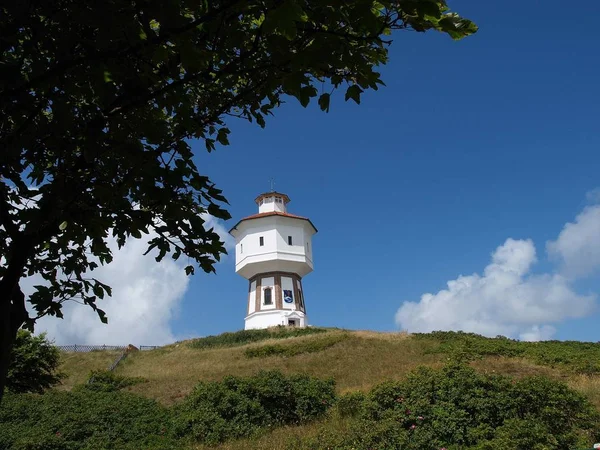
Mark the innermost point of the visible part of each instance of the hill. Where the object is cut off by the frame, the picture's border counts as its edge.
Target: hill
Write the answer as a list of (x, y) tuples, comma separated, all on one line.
[(359, 362)]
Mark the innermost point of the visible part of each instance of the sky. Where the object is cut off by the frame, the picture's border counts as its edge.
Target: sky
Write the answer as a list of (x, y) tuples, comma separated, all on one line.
[(464, 195)]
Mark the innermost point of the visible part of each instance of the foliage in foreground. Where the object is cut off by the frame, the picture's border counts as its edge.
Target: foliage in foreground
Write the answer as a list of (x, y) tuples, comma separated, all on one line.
[(34, 364), (83, 420), (89, 418), (456, 408), (453, 408), (240, 407), (243, 337), (580, 357), (296, 347)]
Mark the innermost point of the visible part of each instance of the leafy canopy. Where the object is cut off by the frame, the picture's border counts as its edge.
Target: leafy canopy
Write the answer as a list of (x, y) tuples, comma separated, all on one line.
[(99, 102)]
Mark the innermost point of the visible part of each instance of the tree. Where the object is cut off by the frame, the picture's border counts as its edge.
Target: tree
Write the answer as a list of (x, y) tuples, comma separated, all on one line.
[(99, 100), (33, 365)]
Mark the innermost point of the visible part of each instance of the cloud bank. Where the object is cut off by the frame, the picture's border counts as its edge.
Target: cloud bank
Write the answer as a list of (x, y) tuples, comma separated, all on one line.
[(507, 298), (146, 297)]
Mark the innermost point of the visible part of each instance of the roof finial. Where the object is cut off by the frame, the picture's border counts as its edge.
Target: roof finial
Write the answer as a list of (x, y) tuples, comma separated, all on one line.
[(272, 185)]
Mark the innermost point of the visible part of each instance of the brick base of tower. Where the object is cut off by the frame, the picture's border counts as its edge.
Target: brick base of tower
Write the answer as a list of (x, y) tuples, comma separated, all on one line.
[(274, 299)]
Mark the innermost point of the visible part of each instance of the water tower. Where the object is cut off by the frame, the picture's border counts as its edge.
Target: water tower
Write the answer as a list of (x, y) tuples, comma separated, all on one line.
[(273, 252)]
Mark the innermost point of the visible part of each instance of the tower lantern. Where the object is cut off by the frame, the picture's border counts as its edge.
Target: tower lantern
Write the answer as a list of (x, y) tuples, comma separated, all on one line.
[(273, 252)]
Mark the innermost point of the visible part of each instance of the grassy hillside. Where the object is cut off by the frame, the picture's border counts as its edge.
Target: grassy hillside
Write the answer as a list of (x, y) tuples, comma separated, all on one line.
[(356, 360)]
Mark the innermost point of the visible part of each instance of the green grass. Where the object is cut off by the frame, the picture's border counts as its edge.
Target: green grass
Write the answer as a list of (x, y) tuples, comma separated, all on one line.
[(244, 337), (577, 357), (357, 360), (77, 366), (295, 348)]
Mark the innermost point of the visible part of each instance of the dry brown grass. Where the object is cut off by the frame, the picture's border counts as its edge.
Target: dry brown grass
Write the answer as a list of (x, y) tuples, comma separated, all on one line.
[(77, 366), (364, 359), (514, 367), (588, 385), (356, 363)]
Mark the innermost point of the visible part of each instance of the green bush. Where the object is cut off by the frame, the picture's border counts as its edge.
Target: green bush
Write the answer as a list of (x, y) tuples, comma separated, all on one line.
[(350, 404), (579, 357), (240, 407), (248, 336), (456, 408), (108, 381), (33, 365), (296, 347), (83, 420)]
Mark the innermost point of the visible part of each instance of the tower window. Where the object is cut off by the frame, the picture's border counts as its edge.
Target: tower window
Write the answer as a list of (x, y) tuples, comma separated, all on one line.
[(289, 240), (261, 240), (268, 299), (241, 248)]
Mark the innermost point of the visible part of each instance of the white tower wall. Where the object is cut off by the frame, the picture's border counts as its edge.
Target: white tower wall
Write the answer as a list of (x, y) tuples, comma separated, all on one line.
[(274, 251)]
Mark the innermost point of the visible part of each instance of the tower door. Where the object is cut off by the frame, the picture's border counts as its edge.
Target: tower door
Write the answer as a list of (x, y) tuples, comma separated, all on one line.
[(292, 323)]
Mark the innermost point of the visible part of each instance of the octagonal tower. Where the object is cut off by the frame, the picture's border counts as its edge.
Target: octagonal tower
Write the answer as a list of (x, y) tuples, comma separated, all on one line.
[(273, 252)]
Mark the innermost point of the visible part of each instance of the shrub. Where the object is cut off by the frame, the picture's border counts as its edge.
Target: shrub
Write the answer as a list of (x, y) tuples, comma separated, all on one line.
[(248, 336), (457, 408), (580, 357), (295, 348), (350, 404), (108, 381), (33, 365), (83, 420), (239, 407)]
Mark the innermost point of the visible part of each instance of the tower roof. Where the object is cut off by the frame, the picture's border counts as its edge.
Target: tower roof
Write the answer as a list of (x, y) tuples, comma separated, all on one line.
[(284, 197), (272, 213)]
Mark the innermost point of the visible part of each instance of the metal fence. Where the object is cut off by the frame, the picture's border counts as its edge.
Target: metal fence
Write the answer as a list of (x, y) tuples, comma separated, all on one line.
[(99, 348)]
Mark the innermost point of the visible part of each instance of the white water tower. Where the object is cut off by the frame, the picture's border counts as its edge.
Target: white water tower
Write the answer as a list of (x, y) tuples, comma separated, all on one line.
[(273, 252)]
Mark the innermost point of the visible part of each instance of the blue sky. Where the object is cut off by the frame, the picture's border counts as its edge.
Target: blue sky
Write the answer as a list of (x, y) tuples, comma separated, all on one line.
[(471, 143)]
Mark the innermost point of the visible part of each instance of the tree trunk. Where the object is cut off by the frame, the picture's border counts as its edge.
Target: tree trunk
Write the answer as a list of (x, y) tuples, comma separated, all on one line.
[(13, 313), (12, 316)]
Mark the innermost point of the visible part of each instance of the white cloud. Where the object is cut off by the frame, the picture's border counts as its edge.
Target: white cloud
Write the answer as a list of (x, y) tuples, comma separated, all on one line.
[(146, 297), (536, 333), (593, 196), (578, 244), (507, 299)]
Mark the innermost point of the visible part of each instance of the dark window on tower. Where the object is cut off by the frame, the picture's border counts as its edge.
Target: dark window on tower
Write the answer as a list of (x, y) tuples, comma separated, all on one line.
[(268, 299), (262, 241), (289, 240)]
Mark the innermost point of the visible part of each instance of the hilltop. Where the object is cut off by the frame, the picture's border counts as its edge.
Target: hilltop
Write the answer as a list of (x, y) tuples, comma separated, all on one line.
[(358, 362)]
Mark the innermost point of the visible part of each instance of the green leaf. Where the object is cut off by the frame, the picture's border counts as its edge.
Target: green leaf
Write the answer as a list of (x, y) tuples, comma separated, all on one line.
[(222, 136), (98, 291), (63, 226), (102, 315), (353, 93), (107, 76), (324, 100), (189, 270), (283, 19)]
